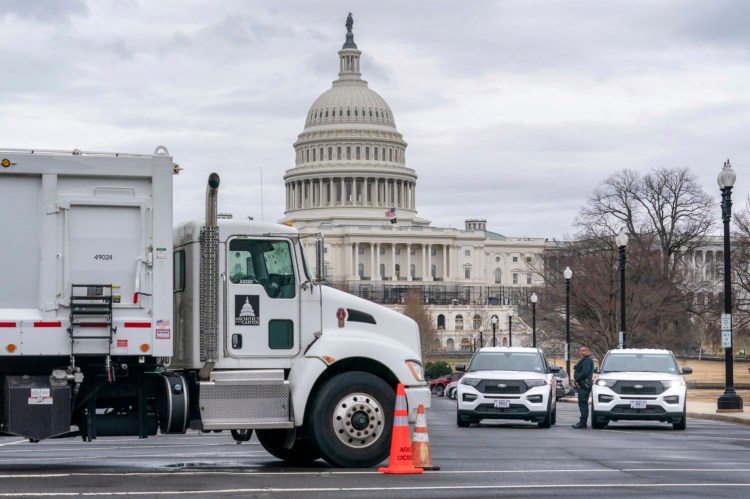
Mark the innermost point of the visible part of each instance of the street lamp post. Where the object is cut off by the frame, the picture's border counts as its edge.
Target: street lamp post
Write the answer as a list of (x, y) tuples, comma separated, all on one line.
[(494, 326), (533, 298), (622, 242), (567, 274), (729, 400), (510, 327)]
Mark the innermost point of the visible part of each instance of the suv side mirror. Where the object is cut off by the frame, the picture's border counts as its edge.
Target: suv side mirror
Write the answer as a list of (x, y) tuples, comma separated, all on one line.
[(687, 370), (461, 368), (554, 369)]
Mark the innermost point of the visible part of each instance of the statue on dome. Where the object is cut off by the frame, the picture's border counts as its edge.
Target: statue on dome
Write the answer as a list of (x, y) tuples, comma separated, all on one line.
[(349, 22)]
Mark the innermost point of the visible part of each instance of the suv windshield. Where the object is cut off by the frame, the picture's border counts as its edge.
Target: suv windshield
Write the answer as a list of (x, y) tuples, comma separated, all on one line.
[(507, 361), (640, 362)]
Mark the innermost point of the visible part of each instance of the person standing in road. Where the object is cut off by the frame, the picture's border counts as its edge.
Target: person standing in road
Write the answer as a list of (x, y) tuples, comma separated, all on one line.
[(583, 372)]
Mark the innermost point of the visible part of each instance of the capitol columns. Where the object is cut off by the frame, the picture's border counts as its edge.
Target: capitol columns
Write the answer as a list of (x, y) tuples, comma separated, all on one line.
[(373, 272), (408, 261)]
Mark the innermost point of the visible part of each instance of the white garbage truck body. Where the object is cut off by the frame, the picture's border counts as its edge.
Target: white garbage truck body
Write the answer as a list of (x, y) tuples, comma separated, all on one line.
[(112, 322)]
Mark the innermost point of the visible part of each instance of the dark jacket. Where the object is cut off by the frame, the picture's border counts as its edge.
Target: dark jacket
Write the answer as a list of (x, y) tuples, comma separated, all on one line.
[(583, 372)]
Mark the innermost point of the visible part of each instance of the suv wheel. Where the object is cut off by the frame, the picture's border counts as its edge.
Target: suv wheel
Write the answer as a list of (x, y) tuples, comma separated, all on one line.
[(461, 422), (439, 390), (547, 421), (433, 389), (682, 423), (596, 422)]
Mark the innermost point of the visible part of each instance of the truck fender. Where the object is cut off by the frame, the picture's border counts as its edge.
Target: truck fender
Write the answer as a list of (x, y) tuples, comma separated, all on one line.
[(333, 350)]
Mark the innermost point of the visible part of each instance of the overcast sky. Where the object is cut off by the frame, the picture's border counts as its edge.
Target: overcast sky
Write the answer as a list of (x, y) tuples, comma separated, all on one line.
[(513, 110)]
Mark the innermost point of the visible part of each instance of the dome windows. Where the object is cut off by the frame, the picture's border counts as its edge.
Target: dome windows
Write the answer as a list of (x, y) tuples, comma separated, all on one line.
[(367, 153), (356, 153), (348, 152), (338, 153), (330, 153)]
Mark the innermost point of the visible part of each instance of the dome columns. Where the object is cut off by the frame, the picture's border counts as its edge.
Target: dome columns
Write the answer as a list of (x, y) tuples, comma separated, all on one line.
[(355, 191)]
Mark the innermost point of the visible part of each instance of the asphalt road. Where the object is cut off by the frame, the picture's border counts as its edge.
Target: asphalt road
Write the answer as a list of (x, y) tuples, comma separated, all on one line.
[(495, 459)]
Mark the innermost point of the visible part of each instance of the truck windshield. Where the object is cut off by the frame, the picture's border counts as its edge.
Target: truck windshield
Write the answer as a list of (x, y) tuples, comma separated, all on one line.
[(652, 363), (507, 361)]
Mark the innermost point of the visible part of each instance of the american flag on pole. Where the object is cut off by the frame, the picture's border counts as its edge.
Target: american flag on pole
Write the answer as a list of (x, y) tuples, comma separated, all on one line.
[(391, 215)]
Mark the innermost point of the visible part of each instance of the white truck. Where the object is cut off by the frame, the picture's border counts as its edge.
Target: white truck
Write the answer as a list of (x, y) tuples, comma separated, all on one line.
[(114, 323)]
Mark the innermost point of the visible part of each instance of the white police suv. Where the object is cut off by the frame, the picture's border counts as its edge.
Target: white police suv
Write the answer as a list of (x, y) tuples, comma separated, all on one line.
[(507, 383), (639, 384)]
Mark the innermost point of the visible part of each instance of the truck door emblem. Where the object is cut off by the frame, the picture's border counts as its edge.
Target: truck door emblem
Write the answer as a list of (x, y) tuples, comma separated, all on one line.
[(246, 310)]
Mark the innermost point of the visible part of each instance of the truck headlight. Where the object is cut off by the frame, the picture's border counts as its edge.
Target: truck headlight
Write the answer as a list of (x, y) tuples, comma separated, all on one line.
[(470, 381), (416, 369), (606, 382)]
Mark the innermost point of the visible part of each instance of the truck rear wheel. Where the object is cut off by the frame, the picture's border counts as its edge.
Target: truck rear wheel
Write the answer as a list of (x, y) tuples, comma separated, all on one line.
[(350, 419), (273, 441)]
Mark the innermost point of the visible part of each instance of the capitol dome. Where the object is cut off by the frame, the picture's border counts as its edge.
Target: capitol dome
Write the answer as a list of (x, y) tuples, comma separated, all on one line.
[(350, 159)]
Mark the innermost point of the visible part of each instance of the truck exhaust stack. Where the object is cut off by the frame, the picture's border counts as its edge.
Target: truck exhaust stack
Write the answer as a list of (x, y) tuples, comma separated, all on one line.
[(209, 280)]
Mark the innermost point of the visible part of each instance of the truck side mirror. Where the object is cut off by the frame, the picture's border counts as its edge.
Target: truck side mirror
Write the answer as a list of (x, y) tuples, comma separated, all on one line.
[(687, 370), (461, 368), (554, 369)]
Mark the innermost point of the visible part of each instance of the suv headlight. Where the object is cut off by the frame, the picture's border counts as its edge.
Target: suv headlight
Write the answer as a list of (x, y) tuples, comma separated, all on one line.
[(670, 383), (606, 382), (470, 381), (531, 383)]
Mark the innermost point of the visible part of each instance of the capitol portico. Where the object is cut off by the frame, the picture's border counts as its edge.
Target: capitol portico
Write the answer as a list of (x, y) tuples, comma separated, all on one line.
[(351, 183)]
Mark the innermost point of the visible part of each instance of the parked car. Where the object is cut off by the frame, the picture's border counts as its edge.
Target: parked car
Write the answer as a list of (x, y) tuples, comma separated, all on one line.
[(639, 384), (507, 383), (437, 386), (450, 390), (562, 376)]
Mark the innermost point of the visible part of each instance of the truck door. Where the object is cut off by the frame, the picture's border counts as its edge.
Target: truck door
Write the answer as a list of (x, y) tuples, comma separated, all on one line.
[(262, 298)]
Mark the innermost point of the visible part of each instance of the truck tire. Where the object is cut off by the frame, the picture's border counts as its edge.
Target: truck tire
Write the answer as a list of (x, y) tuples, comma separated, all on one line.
[(350, 419), (300, 453)]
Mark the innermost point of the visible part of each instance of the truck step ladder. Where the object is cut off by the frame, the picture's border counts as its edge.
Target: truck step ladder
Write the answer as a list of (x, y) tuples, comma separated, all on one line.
[(90, 307)]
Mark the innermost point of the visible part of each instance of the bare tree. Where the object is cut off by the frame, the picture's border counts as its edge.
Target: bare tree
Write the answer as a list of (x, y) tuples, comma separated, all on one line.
[(666, 214), (667, 206), (415, 308)]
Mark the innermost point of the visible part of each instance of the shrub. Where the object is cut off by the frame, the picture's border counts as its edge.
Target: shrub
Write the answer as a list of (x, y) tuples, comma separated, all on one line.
[(434, 370)]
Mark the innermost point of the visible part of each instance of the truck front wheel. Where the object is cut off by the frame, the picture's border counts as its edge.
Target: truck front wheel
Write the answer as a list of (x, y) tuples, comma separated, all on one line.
[(350, 420), (300, 453)]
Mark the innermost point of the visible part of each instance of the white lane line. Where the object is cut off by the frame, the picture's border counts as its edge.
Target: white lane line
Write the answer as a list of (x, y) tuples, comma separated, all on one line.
[(217, 455), (12, 443), (305, 490), (249, 473)]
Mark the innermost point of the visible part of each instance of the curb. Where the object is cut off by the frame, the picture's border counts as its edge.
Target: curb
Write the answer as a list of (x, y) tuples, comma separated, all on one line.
[(719, 417)]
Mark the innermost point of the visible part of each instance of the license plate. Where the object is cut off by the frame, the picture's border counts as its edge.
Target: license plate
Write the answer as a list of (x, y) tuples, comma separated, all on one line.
[(637, 404), (502, 403)]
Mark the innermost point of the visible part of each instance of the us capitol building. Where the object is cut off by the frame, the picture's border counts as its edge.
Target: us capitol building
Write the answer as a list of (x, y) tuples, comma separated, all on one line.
[(351, 183), (350, 171)]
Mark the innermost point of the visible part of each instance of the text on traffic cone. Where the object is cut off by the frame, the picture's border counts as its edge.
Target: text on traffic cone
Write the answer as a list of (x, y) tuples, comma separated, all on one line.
[(400, 461), (420, 443)]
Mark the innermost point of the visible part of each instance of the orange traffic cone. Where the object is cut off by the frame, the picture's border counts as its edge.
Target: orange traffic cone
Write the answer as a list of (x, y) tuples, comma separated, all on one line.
[(421, 443), (400, 460)]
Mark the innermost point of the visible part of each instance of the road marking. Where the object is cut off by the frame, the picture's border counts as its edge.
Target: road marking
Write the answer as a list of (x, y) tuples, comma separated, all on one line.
[(367, 472), (13, 443), (266, 490)]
